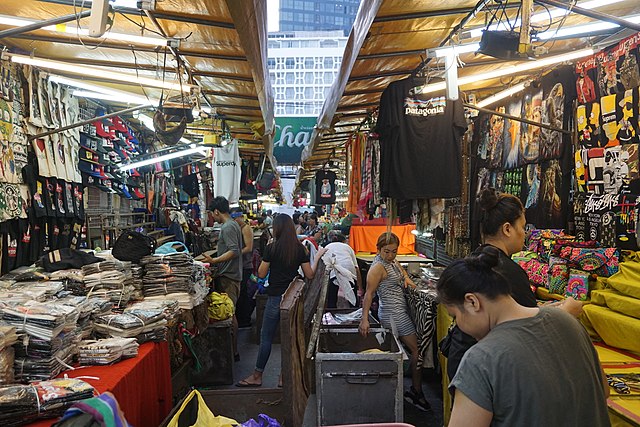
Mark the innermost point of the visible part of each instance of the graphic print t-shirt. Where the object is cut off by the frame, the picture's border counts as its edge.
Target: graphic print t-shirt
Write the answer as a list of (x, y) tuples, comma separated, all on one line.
[(325, 187), (226, 172), (419, 139)]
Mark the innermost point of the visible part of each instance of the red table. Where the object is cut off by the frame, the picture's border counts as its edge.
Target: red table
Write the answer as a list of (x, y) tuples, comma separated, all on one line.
[(142, 385)]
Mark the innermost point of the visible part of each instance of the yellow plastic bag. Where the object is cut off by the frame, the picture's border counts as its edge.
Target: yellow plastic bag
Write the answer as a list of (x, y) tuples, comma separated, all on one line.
[(220, 306), (204, 416)]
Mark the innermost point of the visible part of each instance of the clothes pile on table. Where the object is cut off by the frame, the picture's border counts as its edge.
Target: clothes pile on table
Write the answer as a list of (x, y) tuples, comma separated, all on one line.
[(145, 325), (137, 272), (47, 341), (22, 404), (169, 277), (8, 337), (106, 351), (109, 279)]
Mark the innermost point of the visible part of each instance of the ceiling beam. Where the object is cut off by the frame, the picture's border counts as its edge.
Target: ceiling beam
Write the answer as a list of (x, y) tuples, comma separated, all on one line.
[(230, 95), (105, 44), (436, 13), (227, 76), (194, 19)]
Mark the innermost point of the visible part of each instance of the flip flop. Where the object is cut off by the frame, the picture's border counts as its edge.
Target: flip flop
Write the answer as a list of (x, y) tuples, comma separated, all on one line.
[(244, 383)]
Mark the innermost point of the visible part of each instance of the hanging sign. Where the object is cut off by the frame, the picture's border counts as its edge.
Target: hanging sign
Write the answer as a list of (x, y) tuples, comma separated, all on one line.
[(292, 135)]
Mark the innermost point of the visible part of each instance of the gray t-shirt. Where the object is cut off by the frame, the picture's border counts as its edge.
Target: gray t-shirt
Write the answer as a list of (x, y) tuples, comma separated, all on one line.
[(230, 240), (538, 371)]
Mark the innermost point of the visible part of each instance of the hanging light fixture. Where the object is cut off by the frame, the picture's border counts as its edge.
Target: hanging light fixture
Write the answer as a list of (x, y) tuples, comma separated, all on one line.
[(86, 70)]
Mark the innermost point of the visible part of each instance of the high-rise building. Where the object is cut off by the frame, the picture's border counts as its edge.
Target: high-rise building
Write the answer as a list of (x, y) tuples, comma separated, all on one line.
[(318, 15), (302, 67)]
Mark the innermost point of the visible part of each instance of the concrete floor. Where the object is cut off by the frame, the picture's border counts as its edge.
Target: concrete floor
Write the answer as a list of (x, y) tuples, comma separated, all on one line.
[(248, 350)]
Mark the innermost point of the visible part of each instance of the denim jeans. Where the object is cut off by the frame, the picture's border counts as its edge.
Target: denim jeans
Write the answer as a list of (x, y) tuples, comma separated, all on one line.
[(270, 323)]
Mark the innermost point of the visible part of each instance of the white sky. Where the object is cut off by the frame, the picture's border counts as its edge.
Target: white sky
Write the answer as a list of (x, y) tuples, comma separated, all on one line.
[(273, 14)]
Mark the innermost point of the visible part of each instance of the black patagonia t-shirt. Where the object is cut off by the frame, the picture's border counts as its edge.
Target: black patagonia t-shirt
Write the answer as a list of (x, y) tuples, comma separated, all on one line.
[(420, 143)]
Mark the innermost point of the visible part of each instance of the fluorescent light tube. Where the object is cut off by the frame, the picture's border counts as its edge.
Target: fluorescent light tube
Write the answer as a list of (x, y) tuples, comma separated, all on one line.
[(68, 29), (457, 50), (583, 29), (96, 72), (543, 16), (112, 97), (503, 94), (159, 159), (513, 69)]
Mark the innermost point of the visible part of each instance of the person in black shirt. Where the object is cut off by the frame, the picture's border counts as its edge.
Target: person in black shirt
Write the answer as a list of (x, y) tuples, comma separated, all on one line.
[(502, 224), (281, 259)]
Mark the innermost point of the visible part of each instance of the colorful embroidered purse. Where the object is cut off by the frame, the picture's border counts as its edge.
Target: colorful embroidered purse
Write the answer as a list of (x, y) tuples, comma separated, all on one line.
[(601, 261), (578, 285), (537, 271), (558, 278)]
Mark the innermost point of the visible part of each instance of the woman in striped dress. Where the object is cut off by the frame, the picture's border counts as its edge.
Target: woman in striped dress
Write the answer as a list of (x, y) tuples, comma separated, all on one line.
[(388, 279)]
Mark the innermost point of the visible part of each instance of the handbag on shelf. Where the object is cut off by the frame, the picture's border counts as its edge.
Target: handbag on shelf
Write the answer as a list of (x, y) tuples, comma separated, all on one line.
[(132, 246), (537, 271), (601, 261)]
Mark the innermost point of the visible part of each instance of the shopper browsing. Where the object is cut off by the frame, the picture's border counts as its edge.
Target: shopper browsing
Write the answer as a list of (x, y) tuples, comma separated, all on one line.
[(281, 260), (526, 357), (502, 224), (313, 229), (345, 270), (246, 303), (229, 259), (388, 279)]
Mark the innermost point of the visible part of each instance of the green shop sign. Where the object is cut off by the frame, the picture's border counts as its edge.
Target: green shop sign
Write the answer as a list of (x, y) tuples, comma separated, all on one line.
[(292, 135)]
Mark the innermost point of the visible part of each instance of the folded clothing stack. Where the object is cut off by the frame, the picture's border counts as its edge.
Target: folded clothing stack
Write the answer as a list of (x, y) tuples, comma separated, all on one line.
[(130, 324), (84, 324), (167, 274), (72, 280), (47, 289), (170, 308), (199, 280), (38, 359), (108, 279), (8, 337), (22, 404), (137, 273), (106, 351), (44, 320)]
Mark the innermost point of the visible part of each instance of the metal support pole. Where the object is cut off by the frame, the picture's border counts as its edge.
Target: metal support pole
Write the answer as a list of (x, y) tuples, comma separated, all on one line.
[(86, 122), (525, 27), (591, 14), (517, 119), (451, 65), (37, 25)]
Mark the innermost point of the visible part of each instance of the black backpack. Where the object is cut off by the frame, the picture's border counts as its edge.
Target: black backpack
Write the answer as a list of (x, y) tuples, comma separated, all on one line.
[(132, 246)]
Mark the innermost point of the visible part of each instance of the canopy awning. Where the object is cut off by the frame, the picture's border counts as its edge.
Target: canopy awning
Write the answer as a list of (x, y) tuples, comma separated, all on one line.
[(397, 41), (220, 46)]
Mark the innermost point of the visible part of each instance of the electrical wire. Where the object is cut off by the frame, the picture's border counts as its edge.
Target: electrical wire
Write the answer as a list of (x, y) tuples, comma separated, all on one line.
[(78, 27), (142, 26)]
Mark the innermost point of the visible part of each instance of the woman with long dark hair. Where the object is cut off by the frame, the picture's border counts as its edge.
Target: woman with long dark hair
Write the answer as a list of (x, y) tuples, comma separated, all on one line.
[(281, 259)]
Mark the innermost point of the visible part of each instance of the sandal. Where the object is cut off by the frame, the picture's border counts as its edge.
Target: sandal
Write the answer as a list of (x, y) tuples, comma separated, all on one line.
[(418, 399), (245, 383)]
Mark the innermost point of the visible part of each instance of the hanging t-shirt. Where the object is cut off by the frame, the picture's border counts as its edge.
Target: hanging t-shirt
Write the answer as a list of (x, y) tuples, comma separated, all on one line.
[(325, 187), (226, 172), (420, 143)]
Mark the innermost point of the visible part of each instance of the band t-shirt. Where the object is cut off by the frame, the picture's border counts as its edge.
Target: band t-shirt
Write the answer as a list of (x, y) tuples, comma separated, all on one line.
[(325, 187), (419, 140)]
